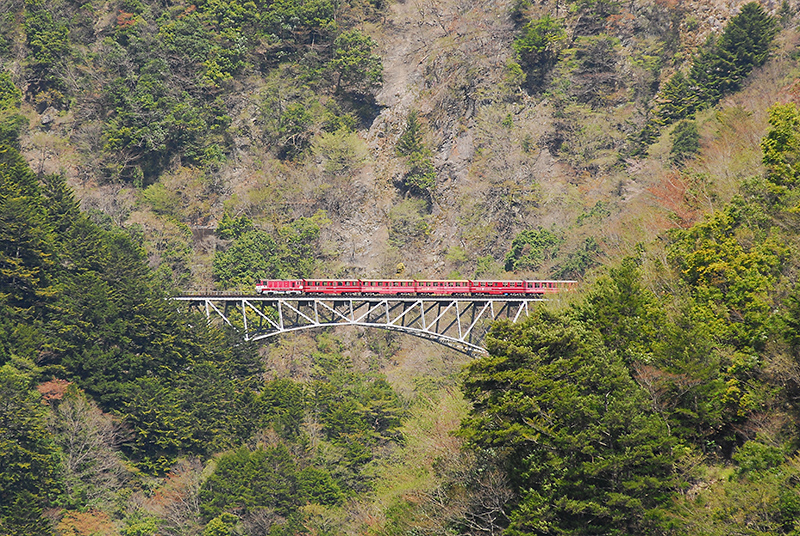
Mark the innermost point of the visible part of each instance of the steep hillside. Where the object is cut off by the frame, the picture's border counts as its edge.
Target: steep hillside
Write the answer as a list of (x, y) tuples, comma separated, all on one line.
[(507, 153), (636, 147)]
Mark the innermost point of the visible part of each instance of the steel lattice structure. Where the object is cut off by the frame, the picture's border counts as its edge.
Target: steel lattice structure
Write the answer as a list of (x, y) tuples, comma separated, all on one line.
[(459, 323)]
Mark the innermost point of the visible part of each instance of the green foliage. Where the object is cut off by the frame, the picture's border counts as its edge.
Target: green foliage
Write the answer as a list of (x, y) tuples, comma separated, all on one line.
[(487, 266), (222, 525), (719, 69), (731, 265), (753, 457), (255, 254), (293, 128), (108, 328), (356, 69), (410, 141), (244, 480), (26, 238), (151, 121), (745, 44), (358, 413), (408, 222), (781, 147), (420, 179), (317, 486), (571, 428), (530, 248), (685, 141), (198, 411), (580, 260), (537, 47), (48, 40), (342, 152), (282, 406), (676, 99), (627, 315), (28, 457), (230, 228), (10, 95)]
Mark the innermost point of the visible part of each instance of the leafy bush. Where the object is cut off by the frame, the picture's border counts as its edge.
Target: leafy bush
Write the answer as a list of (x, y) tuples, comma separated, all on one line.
[(408, 222), (356, 69), (255, 254), (530, 248), (537, 48)]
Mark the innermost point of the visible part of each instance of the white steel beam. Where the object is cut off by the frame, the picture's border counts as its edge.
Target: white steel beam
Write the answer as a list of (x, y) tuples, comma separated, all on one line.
[(415, 317)]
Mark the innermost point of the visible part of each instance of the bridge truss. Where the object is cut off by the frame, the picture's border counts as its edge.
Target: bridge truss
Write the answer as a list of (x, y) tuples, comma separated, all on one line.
[(457, 322)]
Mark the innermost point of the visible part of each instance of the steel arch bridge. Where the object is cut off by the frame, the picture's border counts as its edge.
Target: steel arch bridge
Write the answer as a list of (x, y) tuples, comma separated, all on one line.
[(457, 322)]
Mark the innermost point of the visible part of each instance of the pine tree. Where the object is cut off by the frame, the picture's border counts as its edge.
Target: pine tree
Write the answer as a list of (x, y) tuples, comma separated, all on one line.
[(570, 427), (26, 238), (28, 458), (676, 100), (745, 44)]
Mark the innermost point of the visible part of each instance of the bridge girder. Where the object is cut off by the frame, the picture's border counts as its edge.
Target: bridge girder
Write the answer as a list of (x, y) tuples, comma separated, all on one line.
[(457, 322)]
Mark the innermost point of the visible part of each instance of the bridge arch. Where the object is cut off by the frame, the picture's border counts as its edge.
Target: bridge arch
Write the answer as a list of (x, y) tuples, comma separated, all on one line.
[(459, 323)]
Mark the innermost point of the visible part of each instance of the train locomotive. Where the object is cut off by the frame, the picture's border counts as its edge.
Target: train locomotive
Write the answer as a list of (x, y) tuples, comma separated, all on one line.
[(409, 287)]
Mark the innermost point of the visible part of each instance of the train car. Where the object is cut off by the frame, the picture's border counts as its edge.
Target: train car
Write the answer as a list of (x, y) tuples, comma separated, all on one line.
[(319, 287), (443, 287), (497, 288), (405, 287), (385, 287), (278, 287), (547, 287)]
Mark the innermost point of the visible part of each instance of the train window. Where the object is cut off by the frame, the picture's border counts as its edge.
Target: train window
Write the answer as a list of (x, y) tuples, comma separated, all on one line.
[(339, 283)]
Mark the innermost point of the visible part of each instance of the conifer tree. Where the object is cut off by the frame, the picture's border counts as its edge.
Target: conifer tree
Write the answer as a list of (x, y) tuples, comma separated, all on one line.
[(572, 429), (28, 457)]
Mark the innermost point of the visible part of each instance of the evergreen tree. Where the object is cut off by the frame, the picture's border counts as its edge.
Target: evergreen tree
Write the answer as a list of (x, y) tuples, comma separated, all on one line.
[(676, 99), (685, 141), (420, 179), (570, 426), (781, 146), (745, 44), (357, 70), (28, 457), (245, 480)]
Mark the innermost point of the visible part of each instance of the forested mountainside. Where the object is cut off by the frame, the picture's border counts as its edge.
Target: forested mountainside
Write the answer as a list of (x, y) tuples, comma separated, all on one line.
[(647, 149)]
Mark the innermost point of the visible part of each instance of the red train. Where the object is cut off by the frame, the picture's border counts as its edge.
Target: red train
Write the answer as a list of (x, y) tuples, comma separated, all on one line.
[(409, 287)]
